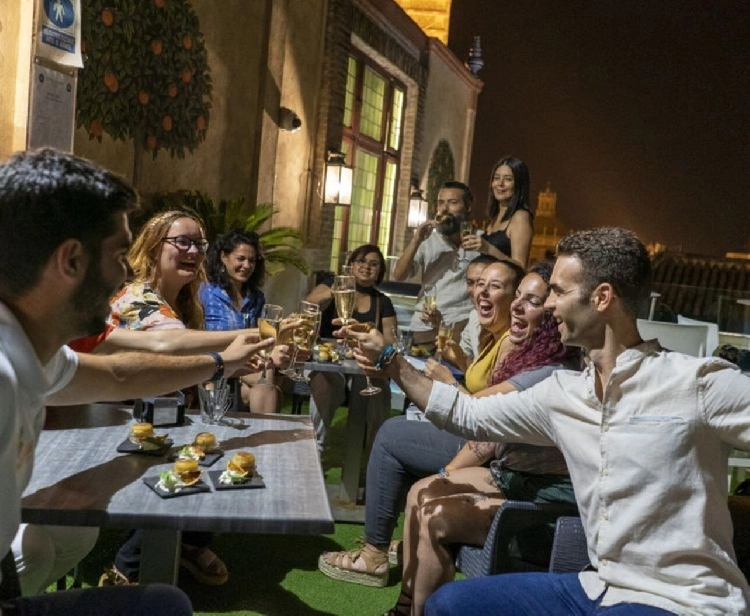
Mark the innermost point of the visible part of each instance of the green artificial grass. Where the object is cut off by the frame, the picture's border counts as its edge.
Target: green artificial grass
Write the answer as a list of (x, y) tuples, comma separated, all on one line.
[(274, 574)]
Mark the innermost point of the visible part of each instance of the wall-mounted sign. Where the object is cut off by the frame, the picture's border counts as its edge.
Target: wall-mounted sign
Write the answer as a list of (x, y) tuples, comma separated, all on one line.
[(59, 32), (52, 109)]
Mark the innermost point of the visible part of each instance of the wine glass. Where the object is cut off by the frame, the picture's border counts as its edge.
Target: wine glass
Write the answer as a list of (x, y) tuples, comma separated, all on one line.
[(467, 228), (268, 327), (344, 298), (430, 299), (445, 333), (346, 270), (303, 337)]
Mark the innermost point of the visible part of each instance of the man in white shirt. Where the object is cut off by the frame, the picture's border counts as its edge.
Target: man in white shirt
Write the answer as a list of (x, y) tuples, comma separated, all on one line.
[(435, 251), (646, 434), (64, 236)]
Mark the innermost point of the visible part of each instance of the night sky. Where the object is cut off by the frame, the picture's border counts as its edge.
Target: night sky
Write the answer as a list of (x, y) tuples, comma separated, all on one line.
[(636, 112)]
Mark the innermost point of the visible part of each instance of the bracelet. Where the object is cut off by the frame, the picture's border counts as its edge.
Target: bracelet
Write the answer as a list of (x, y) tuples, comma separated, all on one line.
[(444, 473), (386, 357), (219, 372), (454, 383)]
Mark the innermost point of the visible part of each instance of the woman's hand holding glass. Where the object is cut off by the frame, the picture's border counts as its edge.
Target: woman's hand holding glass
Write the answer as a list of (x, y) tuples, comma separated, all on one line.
[(304, 335), (438, 372), (268, 326), (444, 335)]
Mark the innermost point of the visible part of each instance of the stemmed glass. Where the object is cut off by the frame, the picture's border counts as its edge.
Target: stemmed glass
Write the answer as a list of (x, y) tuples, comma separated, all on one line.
[(344, 294), (268, 326), (445, 333), (303, 336)]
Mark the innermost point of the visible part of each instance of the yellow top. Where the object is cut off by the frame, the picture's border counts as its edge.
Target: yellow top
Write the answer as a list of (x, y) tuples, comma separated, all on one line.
[(478, 373)]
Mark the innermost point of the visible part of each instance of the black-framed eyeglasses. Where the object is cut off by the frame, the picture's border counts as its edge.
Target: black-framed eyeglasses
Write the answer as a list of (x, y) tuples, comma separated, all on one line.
[(183, 243)]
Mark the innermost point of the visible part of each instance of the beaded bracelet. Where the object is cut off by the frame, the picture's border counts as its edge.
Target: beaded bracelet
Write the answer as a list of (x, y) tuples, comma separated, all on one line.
[(386, 357), (219, 372)]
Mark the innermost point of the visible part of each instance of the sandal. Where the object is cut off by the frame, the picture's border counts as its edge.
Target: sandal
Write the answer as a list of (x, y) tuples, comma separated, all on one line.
[(361, 566), (204, 565), (402, 607), (396, 552), (112, 576)]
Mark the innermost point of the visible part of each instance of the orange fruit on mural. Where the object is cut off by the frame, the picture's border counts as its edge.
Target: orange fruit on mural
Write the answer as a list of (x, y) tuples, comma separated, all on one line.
[(172, 90), (160, 3), (143, 97), (187, 75), (95, 129), (166, 123), (201, 123), (151, 142), (187, 41), (108, 17), (110, 80), (157, 47)]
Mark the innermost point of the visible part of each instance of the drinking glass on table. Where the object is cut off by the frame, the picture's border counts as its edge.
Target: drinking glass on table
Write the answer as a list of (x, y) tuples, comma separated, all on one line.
[(268, 327), (444, 335)]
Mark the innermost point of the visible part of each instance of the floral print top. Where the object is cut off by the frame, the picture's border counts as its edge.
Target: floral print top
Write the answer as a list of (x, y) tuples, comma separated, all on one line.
[(138, 306)]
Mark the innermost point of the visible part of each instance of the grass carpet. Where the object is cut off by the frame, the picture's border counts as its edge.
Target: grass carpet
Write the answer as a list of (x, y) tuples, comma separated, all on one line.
[(275, 574)]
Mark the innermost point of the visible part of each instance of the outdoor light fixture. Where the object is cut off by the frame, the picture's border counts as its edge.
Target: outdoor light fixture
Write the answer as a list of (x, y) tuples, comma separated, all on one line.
[(417, 208), (339, 177)]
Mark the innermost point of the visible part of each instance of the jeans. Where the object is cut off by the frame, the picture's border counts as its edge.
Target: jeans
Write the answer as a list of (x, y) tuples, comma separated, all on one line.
[(526, 594), (403, 452), (147, 600), (128, 557)]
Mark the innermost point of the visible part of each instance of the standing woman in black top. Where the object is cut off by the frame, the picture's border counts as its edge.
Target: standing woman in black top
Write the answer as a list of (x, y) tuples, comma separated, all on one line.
[(510, 228), (329, 388)]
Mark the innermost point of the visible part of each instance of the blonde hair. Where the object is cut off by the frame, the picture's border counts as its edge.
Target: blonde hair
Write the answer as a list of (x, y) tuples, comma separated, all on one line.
[(143, 257)]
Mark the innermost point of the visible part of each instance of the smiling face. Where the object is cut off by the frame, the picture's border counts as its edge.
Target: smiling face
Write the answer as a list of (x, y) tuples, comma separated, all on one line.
[(473, 273), (579, 323), (527, 309), (181, 266), (240, 263), (366, 269), (503, 183), (493, 295), (451, 210)]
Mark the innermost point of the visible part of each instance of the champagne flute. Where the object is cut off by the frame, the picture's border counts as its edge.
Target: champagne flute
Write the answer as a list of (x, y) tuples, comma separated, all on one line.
[(445, 333), (344, 298), (303, 336), (346, 270), (467, 228), (268, 327), (430, 299)]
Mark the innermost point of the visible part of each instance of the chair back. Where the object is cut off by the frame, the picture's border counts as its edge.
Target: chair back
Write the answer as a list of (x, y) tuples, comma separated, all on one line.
[(712, 340), (569, 549), (10, 588), (688, 339)]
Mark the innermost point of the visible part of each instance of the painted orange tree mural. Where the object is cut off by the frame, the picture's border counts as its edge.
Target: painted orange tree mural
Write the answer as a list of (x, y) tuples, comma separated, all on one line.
[(146, 75)]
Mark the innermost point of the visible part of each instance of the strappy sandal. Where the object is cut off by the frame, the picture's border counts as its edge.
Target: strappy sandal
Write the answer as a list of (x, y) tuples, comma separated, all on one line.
[(360, 566), (204, 565), (112, 576), (402, 607)]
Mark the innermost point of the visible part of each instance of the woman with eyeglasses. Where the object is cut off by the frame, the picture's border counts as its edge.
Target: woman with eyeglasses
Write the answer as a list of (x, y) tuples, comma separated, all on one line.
[(232, 299), (329, 388), (167, 260)]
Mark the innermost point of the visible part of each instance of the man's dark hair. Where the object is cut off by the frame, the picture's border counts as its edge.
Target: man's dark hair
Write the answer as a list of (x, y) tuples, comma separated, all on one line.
[(615, 256), (466, 191), (216, 271), (483, 259), (46, 198)]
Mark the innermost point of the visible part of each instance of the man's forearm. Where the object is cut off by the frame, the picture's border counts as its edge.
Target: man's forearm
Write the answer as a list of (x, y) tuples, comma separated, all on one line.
[(132, 375), (416, 385), (403, 266), (175, 341)]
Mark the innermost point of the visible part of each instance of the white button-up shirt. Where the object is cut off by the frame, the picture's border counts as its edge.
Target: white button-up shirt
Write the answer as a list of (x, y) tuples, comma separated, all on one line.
[(648, 464), (443, 266)]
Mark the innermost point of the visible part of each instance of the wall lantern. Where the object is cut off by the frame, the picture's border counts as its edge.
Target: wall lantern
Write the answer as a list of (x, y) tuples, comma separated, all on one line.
[(339, 177), (417, 208)]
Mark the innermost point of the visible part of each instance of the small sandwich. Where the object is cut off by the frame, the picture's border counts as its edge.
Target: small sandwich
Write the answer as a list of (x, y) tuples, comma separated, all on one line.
[(239, 469), (142, 434), (183, 474), (205, 442)]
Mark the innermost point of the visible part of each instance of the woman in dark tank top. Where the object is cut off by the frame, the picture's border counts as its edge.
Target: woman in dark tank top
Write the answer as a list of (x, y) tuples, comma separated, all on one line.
[(509, 231)]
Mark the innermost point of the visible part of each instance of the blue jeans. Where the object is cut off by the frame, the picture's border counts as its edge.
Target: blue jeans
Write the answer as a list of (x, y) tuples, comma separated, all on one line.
[(403, 452), (526, 594), (146, 600)]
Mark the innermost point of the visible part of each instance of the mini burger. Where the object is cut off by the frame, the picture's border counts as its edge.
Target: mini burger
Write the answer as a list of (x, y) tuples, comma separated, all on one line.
[(206, 441), (142, 434), (239, 469), (184, 473)]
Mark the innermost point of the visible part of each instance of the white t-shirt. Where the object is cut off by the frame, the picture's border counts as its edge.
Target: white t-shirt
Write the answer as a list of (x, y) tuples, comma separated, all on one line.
[(24, 384)]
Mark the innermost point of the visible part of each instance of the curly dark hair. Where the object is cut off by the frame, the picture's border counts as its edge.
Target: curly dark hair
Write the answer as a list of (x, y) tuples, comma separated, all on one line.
[(224, 245), (541, 348), (615, 256)]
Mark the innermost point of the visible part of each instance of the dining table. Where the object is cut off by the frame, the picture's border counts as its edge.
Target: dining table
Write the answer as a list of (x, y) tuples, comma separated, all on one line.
[(80, 479)]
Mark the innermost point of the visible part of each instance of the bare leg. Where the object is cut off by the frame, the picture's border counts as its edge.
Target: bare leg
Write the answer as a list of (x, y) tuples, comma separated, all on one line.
[(441, 512), (261, 398), (328, 393)]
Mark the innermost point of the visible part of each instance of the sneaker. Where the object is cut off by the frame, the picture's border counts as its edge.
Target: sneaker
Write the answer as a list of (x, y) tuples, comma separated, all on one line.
[(112, 576), (361, 566)]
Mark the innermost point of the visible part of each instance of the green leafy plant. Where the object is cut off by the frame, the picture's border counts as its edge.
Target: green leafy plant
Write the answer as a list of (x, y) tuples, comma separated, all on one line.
[(281, 245), (146, 75)]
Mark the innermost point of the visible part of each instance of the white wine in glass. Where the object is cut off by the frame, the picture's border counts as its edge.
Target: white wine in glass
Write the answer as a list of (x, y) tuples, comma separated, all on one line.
[(268, 327)]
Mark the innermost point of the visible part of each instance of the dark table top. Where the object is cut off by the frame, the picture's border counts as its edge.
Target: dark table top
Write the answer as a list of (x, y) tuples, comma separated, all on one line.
[(80, 479)]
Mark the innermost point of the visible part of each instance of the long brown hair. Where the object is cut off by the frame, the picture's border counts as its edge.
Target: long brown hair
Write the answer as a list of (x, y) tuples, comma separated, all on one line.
[(143, 257)]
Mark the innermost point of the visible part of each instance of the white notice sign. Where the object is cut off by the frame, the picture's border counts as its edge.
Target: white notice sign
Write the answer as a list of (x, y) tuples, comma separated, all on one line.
[(53, 108)]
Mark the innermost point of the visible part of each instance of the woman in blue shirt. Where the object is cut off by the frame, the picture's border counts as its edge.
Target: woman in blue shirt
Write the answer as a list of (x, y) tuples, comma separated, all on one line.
[(232, 299)]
